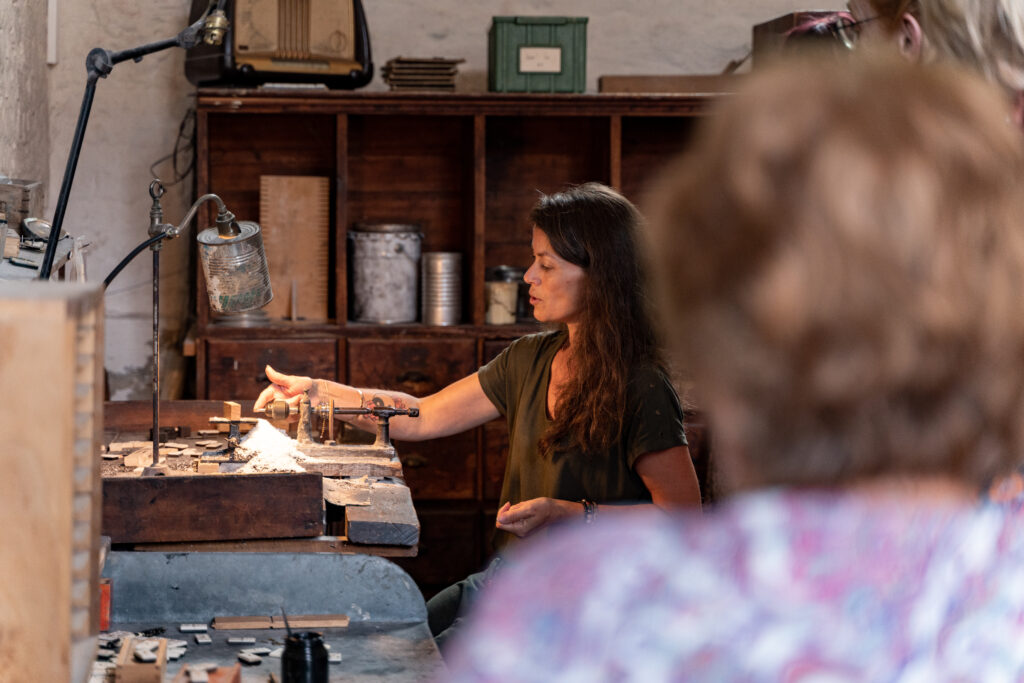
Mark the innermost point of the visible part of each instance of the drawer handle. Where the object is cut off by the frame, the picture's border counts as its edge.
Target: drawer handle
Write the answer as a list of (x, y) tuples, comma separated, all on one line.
[(415, 461), (412, 377)]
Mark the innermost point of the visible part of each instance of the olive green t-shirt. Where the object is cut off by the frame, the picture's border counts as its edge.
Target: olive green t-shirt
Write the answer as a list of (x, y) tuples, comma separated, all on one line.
[(517, 381)]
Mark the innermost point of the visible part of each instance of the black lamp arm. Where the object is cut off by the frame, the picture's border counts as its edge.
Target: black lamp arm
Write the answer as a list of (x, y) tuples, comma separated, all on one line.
[(99, 63)]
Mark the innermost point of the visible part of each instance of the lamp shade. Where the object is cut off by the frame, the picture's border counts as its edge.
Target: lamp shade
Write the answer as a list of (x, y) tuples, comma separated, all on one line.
[(235, 266)]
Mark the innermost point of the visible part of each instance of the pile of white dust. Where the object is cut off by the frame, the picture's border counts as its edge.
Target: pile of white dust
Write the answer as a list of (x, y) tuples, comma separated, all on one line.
[(269, 450)]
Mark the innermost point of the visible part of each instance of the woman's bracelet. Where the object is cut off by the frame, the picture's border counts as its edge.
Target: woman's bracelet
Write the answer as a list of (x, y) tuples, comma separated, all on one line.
[(589, 511)]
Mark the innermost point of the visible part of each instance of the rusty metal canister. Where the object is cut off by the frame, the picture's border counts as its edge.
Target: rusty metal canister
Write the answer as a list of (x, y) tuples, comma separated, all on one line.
[(385, 263), (237, 278)]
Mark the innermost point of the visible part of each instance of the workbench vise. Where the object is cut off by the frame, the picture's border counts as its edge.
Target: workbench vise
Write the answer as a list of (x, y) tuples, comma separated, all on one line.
[(326, 412)]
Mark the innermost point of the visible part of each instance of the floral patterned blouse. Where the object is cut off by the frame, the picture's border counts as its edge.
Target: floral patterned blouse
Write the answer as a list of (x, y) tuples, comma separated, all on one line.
[(773, 586)]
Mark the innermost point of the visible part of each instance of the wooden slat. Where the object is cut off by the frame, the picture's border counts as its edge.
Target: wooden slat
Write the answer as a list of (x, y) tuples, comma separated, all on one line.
[(133, 416), (318, 544), (212, 508), (295, 218), (341, 219), (388, 519), (242, 100)]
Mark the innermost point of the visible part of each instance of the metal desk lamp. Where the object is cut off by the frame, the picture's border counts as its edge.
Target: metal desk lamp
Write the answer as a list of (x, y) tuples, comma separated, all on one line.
[(232, 253), (210, 28), (235, 266)]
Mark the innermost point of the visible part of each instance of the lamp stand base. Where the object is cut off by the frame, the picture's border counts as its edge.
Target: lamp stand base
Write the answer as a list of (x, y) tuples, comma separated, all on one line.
[(156, 471)]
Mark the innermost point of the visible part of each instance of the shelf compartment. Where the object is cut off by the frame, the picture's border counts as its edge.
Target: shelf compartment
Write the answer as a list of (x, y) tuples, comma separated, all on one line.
[(527, 155), (648, 143)]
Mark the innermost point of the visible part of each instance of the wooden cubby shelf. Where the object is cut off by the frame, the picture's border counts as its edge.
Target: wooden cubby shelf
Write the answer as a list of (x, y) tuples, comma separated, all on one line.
[(467, 168)]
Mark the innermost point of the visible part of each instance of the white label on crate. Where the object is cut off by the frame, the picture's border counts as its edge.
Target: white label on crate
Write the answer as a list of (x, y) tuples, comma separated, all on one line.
[(540, 60)]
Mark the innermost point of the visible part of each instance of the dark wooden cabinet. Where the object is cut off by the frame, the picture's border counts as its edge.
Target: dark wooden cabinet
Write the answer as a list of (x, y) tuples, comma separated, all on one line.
[(235, 368), (467, 169)]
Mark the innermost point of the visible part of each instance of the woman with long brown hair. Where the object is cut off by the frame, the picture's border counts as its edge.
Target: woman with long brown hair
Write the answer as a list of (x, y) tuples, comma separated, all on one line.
[(593, 418)]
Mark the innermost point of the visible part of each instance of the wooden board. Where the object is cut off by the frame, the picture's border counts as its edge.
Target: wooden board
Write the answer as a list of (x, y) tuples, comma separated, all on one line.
[(295, 214), (388, 519), (51, 367), (679, 84), (212, 507)]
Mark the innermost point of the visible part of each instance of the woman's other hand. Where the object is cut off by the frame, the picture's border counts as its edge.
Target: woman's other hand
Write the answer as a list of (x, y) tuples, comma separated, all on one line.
[(286, 387), (525, 518)]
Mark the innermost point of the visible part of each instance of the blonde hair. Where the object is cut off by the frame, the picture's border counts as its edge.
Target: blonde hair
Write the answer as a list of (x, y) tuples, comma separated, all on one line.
[(985, 35), (841, 266), (891, 11)]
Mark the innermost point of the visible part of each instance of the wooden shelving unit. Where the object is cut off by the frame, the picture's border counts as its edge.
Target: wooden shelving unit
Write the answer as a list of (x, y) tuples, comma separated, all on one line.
[(465, 167)]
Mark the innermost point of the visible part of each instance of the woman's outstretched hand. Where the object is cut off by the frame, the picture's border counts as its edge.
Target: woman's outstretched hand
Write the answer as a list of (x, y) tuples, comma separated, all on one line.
[(529, 516), (285, 387)]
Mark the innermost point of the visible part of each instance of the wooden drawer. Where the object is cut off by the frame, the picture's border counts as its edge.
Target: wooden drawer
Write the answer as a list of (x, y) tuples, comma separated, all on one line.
[(449, 549), (440, 469), (234, 369)]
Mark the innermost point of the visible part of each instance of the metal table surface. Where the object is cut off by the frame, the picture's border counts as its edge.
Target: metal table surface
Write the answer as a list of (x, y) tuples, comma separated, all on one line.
[(387, 638)]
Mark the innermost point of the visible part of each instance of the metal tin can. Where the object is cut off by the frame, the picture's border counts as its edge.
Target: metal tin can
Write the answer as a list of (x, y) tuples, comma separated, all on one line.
[(441, 288), (385, 261), (237, 278)]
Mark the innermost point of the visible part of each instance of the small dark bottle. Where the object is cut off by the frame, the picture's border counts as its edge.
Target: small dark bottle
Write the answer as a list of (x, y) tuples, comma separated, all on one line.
[(304, 659)]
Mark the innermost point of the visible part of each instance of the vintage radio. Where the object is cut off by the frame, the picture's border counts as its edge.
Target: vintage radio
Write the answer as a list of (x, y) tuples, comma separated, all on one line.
[(286, 41)]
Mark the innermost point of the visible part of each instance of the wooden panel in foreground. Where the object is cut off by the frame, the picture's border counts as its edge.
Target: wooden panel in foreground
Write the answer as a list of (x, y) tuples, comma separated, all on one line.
[(212, 507), (51, 370)]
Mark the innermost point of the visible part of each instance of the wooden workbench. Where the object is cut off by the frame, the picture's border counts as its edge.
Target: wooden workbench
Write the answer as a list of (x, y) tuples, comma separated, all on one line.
[(251, 513)]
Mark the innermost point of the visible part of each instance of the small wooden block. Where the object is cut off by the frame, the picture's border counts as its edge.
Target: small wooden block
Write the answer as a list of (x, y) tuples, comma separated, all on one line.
[(208, 468), (334, 657), (131, 670), (208, 672), (174, 444), (208, 432), (141, 458), (232, 410), (249, 658), (389, 519), (241, 640), (192, 452), (167, 450), (192, 628), (121, 446), (203, 639), (207, 443)]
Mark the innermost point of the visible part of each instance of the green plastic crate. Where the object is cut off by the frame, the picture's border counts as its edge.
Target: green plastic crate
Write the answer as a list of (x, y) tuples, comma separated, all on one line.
[(537, 54)]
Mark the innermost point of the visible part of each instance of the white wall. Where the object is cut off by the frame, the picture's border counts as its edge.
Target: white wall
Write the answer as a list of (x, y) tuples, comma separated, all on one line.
[(24, 124), (138, 107)]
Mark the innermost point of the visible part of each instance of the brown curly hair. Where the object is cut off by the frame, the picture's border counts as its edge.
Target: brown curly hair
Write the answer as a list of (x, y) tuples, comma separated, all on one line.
[(842, 264), (596, 228)]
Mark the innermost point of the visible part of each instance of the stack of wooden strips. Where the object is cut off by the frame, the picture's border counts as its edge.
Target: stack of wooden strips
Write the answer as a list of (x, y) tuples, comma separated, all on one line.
[(413, 73)]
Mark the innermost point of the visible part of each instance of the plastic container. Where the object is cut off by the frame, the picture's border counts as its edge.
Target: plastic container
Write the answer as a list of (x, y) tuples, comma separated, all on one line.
[(523, 310), (537, 54)]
